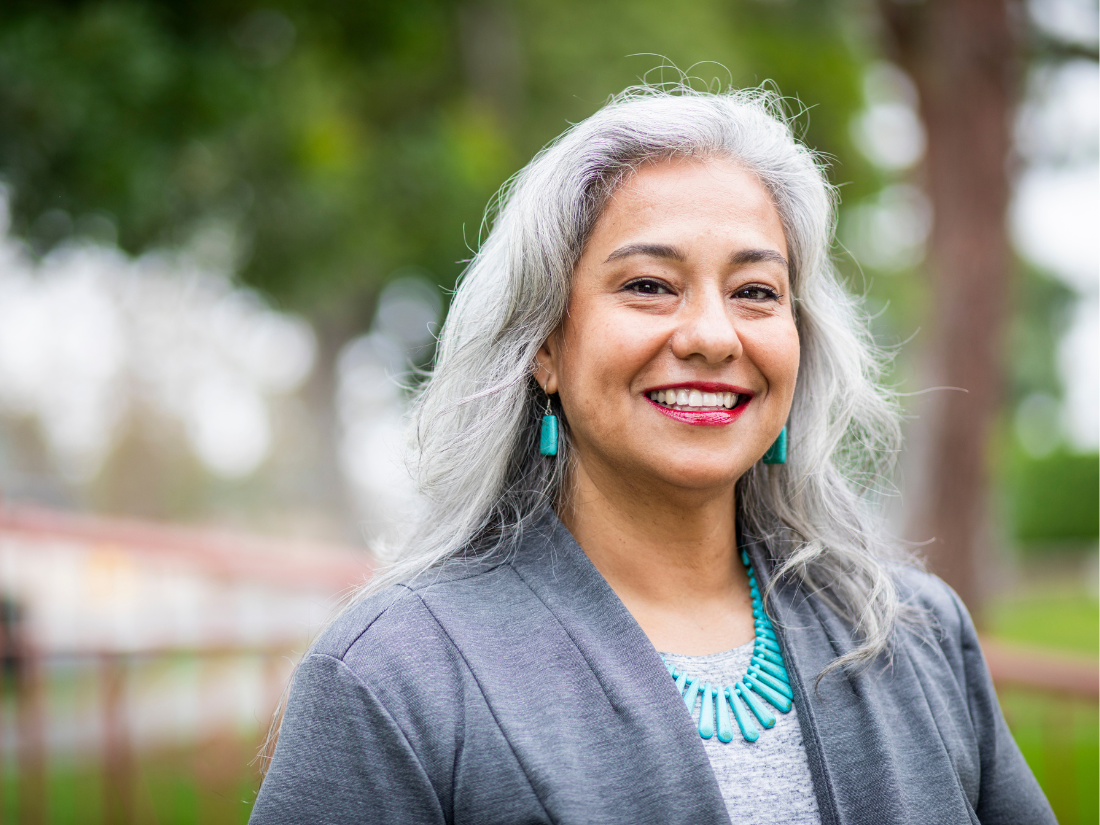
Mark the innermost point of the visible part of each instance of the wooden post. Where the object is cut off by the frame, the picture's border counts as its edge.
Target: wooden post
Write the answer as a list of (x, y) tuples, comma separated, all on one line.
[(8, 613), (29, 720), (117, 765)]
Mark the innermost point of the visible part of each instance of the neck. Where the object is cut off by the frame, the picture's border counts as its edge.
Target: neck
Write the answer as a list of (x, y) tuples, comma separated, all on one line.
[(669, 554)]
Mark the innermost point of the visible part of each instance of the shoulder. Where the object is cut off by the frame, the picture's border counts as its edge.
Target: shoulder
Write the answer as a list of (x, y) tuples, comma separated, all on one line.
[(933, 599), (397, 655), (377, 711), (1002, 788), (406, 615), (926, 591), (936, 619)]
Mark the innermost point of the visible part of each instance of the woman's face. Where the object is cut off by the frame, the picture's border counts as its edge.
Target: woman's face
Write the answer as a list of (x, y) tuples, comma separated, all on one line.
[(677, 359)]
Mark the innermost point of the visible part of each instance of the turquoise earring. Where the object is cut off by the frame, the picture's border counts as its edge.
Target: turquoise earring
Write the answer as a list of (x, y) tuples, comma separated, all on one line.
[(548, 439), (777, 452)]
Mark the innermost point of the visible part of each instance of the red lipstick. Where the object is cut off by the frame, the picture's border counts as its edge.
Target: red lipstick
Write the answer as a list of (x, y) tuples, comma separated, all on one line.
[(703, 418)]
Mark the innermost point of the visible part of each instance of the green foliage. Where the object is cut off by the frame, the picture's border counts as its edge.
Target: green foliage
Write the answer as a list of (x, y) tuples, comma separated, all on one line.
[(1044, 304), (342, 141), (1055, 498), (167, 123)]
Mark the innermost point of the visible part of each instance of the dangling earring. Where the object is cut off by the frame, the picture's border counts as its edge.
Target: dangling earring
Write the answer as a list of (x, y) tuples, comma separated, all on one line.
[(548, 440), (777, 452)]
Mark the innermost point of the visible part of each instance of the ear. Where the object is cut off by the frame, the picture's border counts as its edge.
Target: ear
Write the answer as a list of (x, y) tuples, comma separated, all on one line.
[(545, 368)]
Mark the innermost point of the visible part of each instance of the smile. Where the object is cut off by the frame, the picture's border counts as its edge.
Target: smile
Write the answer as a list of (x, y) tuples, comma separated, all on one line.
[(685, 399), (704, 405)]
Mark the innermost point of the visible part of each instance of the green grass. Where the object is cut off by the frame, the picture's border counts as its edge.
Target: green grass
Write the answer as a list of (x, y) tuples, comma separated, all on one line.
[(210, 786), (1059, 740), (1059, 737), (1058, 619)]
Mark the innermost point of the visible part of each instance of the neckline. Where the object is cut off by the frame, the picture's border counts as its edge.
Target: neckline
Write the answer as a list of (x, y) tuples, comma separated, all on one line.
[(592, 613), (713, 658)]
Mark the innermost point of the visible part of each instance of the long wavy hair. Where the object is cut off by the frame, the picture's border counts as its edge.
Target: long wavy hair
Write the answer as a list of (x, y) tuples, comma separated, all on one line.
[(475, 420)]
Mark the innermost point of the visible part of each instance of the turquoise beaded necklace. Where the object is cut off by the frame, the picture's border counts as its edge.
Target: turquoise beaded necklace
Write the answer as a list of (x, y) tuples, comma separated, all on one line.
[(765, 680)]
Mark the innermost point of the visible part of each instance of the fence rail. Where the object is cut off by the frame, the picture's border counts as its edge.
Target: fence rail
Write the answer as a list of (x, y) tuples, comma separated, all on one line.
[(1042, 670)]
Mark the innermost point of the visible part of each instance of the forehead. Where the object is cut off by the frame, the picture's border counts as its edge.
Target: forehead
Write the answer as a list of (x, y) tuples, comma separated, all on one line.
[(692, 199)]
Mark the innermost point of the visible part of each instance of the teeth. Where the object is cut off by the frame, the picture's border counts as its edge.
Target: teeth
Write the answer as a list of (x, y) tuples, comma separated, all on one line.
[(695, 398)]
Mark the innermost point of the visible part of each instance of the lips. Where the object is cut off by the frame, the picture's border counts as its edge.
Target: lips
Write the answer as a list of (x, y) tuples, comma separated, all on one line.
[(700, 403)]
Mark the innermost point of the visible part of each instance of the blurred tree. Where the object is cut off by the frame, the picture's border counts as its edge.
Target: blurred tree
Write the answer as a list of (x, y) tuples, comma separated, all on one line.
[(315, 148), (966, 58), (320, 133), (1044, 305), (341, 141), (963, 57)]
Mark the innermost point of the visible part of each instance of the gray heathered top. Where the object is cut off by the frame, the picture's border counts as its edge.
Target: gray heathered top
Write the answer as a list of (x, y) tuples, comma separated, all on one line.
[(769, 778)]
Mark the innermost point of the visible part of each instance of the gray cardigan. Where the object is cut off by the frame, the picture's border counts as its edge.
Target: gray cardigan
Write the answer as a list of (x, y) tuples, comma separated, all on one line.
[(522, 691)]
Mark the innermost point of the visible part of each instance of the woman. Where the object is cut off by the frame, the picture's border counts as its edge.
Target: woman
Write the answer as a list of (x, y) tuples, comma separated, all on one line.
[(629, 600)]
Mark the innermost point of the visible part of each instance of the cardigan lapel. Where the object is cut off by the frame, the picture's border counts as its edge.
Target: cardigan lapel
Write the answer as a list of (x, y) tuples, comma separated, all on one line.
[(649, 727), (876, 756), (787, 608)]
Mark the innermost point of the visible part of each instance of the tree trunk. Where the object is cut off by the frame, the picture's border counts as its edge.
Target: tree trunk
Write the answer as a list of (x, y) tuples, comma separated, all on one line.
[(961, 54)]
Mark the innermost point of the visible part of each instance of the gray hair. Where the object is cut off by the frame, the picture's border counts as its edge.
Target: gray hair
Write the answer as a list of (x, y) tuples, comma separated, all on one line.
[(475, 421)]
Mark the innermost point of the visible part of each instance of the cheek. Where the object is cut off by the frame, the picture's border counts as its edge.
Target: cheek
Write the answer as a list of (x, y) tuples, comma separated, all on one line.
[(606, 351), (778, 357)]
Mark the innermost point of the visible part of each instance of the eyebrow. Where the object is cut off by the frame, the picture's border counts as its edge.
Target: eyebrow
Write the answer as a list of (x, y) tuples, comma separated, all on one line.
[(758, 256), (671, 253)]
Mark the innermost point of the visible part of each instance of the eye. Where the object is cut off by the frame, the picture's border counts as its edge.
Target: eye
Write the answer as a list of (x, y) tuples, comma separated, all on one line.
[(757, 292), (648, 286)]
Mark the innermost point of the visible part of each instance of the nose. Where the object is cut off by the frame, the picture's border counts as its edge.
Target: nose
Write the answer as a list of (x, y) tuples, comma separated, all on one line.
[(706, 329)]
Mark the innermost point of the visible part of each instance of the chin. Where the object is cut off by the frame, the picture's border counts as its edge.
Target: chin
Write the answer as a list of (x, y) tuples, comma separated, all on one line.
[(700, 476)]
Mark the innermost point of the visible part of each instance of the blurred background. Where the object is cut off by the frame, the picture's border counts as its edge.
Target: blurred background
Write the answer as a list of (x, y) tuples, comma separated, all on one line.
[(229, 230)]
